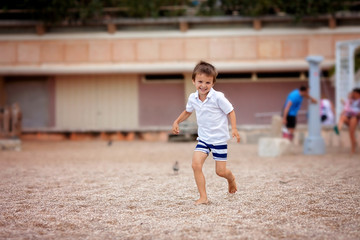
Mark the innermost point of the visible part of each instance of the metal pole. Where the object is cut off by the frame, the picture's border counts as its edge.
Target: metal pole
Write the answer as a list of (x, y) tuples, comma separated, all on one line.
[(314, 144)]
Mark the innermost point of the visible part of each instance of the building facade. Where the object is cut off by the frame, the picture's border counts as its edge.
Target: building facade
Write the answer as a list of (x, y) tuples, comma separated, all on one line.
[(139, 81)]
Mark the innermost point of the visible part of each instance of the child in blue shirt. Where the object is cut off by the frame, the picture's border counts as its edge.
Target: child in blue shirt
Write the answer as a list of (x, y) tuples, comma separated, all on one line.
[(292, 107)]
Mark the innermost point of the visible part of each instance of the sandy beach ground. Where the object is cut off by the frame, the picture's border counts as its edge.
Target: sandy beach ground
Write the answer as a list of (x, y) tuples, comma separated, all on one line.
[(89, 190)]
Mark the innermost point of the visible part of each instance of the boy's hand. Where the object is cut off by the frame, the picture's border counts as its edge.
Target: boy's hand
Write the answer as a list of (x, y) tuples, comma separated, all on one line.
[(175, 128), (313, 100), (235, 134)]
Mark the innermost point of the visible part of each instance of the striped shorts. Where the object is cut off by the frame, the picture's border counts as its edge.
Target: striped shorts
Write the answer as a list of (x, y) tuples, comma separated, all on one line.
[(219, 151)]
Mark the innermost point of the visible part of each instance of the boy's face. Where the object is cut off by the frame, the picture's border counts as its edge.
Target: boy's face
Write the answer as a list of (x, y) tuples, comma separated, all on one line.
[(304, 93), (203, 83), (356, 95)]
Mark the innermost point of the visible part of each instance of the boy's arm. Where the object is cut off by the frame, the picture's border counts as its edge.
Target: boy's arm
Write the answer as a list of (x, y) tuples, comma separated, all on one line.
[(332, 108), (234, 131), (183, 116), (342, 101), (313, 100)]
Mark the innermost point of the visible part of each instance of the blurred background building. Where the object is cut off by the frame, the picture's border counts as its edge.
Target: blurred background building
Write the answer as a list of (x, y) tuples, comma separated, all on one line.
[(125, 66)]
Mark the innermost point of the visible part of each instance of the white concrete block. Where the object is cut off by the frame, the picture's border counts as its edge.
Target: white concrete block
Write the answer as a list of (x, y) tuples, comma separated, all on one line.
[(273, 147), (10, 144), (276, 125)]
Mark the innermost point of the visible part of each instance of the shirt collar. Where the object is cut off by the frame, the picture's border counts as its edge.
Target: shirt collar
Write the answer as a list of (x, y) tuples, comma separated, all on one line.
[(211, 92)]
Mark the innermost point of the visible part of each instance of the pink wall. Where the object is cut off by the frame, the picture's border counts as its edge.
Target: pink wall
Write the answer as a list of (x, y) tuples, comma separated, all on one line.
[(30, 51), (251, 98), (160, 103)]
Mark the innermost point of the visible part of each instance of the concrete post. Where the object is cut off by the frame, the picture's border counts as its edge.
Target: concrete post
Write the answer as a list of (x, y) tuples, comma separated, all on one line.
[(314, 144)]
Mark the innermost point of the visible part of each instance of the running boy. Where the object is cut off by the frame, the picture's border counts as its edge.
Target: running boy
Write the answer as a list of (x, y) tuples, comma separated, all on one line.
[(212, 112)]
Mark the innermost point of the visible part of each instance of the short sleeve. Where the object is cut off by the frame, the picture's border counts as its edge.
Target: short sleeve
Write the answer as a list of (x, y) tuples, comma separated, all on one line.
[(189, 106), (295, 99), (292, 97), (224, 104), (357, 109)]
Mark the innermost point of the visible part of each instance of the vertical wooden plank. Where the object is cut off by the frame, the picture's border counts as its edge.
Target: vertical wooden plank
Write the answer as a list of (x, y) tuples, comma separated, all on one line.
[(111, 27), (332, 22), (40, 29), (184, 26), (51, 102), (257, 24), (2, 92)]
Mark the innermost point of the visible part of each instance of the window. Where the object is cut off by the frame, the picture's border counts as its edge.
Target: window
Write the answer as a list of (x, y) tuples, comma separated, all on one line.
[(153, 78)]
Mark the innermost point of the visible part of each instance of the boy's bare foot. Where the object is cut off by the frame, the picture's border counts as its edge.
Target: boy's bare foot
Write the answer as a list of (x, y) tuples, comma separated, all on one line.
[(353, 148), (202, 201), (232, 186)]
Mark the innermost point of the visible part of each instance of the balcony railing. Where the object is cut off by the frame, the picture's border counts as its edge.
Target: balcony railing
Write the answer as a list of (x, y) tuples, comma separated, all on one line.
[(183, 24)]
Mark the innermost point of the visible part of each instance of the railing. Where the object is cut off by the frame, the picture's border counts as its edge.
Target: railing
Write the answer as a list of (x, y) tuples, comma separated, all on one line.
[(188, 22), (265, 117)]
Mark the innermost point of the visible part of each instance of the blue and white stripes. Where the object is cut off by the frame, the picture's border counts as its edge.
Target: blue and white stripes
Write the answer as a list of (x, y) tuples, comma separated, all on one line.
[(219, 151)]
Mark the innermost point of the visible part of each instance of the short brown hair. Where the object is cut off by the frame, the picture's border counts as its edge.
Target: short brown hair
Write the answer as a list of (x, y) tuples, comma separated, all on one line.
[(303, 88), (205, 68)]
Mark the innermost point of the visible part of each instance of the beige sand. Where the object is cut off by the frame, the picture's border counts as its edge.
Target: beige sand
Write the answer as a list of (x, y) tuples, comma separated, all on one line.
[(87, 190)]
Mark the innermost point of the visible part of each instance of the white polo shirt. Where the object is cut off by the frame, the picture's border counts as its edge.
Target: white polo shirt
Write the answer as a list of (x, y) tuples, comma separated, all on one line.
[(212, 120)]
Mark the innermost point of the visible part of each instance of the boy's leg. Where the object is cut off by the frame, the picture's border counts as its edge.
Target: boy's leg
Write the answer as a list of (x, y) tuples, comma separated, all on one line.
[(291, 133), (197, 164), (343, 119), (352, 128), (290, 125), (224, 172)]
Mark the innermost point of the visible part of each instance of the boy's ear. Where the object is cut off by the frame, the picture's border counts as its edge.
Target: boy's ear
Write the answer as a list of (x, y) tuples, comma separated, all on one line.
[(193, 81)]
